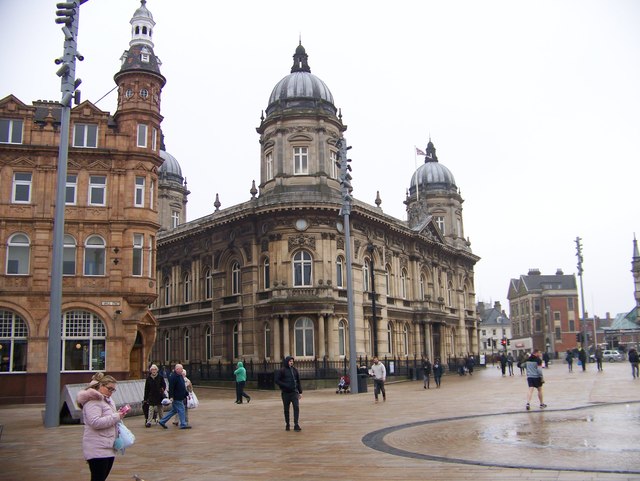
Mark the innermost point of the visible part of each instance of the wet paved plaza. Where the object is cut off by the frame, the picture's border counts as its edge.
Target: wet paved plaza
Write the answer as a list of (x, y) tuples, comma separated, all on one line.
[(473, 428)]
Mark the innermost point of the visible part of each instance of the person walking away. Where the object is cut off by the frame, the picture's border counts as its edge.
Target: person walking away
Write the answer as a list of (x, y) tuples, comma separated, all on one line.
[(379, 373), (471, 362), (438, 371), (535, 378), (288, 379), (545, 358), (582, 357), (510, 363), (154, 388), (598, 355), (569, 359), (177, 394), (634, 359), (522, 359), (241, 379), (503, 364), (427, 372), (100, 420)]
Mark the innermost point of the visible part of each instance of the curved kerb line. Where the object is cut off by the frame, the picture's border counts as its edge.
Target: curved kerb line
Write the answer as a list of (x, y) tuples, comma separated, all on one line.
[(375, 440)]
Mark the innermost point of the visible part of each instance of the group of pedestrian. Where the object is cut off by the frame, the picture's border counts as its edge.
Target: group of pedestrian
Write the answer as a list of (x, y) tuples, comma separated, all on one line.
[(435, 368)]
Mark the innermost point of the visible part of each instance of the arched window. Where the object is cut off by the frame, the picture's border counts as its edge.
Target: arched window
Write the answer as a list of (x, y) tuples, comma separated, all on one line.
[(365, 276), (83, 341), (302, 269), (235, 278), (405, 339), (13, 342), (186, 344), (340, 272), (266, 273), (304, 337), (18, 254), (450, 294), (207, 343), (167, 348), (236, 341), (465, 293), (208, 285), (390, 337), (422, 288), (267, 340), (69, 256), (94, 256), (403, 283), (387, 279), (342, 345), (186, 287), (368, 336), (167, 291)]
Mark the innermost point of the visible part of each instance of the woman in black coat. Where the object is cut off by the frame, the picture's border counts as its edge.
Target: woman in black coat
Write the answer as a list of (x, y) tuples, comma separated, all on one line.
[(154, 389)]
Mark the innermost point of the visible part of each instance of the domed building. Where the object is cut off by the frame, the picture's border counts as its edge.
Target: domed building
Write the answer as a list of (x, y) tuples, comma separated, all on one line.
[(267, 278), (172, 192)]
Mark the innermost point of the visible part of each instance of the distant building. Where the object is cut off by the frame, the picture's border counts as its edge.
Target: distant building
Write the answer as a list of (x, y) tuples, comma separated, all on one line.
[(544, 311), (493, 326)]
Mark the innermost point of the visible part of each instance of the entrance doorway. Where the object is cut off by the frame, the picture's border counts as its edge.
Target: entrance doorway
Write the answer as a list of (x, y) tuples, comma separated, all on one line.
[(136, 367)]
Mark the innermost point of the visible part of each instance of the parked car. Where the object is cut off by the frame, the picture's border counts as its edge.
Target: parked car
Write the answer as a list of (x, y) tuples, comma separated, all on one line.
[(609, 356)]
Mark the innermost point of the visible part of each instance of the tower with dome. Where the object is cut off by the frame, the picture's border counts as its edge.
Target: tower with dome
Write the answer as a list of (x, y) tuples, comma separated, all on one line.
[(267, 277)]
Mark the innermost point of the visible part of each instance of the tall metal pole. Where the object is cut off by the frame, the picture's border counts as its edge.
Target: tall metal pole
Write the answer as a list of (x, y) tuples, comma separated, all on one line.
[(345, 181), (583, 322), (68, 14)]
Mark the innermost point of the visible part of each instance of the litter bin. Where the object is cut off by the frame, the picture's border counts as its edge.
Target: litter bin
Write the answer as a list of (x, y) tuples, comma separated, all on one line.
[(362, 382), (266, 380)]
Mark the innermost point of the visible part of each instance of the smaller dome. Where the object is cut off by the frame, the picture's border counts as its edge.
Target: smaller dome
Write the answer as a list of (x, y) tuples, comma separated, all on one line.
[(432, 175), (170, 168), (143, 11)]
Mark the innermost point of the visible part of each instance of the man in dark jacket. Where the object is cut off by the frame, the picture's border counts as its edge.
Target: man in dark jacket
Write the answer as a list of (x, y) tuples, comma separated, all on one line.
[(288, 380), (177, 393)]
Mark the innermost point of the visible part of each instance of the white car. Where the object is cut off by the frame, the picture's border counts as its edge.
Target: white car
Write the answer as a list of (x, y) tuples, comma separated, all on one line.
[(609, 356)]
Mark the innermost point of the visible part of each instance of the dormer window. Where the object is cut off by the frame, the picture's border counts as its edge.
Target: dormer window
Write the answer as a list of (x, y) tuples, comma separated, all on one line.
[(144, 57)]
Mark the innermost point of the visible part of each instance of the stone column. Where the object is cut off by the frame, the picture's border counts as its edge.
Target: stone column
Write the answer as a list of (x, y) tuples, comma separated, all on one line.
[(321, 339), (285, 336), (276, 339), (331, 336)]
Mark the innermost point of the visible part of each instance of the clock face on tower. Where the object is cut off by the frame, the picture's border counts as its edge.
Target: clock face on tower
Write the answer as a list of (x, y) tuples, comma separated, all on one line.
[(144, 93), (128, 93)]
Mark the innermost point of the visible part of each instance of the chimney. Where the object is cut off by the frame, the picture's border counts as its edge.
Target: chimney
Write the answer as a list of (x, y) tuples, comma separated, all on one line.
[(559, 272), (497, 306), (534, 271)]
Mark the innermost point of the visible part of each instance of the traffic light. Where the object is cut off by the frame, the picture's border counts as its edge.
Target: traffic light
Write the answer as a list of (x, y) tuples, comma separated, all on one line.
[(508, 342), (578, 337), (489, 342), (503, 341)]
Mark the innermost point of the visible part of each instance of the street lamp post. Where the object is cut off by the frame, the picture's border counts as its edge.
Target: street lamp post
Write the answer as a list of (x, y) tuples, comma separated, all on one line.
[(583, 323), (371, 248)]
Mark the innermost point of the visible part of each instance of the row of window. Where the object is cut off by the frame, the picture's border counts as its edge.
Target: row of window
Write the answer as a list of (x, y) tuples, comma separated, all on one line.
[(22, 188), (523, 307), (84, 135), (304, 340), (83, 341), (94, 261), (300, 157), (302, 277)]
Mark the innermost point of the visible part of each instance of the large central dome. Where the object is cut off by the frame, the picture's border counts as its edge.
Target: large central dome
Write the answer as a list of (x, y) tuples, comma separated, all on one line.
[(300, 90)]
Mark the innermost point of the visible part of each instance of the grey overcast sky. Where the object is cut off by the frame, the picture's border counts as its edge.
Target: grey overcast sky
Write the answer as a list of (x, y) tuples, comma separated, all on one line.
[(534, 106)]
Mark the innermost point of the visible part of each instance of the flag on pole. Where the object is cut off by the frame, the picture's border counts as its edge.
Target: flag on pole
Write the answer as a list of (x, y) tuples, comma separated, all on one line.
[(419, 152)]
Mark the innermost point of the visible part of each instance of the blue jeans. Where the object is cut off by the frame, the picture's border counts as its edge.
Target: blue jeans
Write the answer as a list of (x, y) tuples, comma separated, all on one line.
[(177, 407)]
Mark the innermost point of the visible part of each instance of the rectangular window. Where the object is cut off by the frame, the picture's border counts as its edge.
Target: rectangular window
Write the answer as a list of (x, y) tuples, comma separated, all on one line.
[(154, 139), (70, 196), (139, 192), (138, 245), (572, 325), (98, 190), (85, 135), (269, 164), (151, 192), (175, 219), (10, 131), (570, 303), (150, 256), (300, 160), (142, 135), (440, 223), (333, 167), (21, 188)]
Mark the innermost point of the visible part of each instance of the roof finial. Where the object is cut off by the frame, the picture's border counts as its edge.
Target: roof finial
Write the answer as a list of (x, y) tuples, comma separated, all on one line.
[(300, 60)]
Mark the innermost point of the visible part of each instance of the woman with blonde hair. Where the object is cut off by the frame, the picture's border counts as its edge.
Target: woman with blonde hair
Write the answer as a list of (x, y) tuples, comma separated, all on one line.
[(100, 420)]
